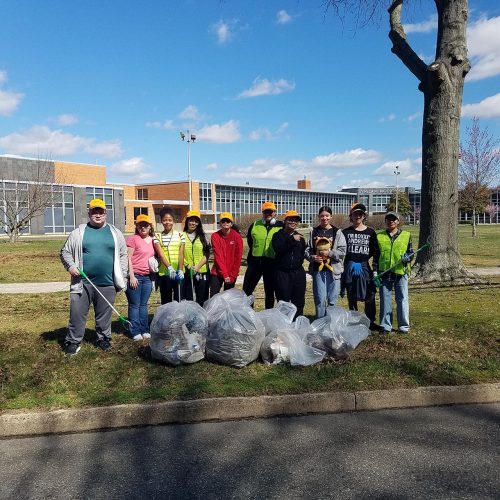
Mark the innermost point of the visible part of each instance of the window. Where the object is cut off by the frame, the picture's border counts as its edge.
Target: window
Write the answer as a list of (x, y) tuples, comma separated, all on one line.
[(139, 211), (142, 194), (60, 216)]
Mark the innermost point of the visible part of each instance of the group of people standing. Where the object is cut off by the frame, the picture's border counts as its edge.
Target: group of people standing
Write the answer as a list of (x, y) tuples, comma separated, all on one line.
[(338, 262)]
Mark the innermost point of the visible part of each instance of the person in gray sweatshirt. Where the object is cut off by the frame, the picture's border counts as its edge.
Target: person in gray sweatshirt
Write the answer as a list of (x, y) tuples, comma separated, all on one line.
[(325, 266), (99, 249)]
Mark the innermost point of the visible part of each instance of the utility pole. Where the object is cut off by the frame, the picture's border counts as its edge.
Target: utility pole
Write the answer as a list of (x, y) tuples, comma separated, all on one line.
[(397, 172), (189, 138)]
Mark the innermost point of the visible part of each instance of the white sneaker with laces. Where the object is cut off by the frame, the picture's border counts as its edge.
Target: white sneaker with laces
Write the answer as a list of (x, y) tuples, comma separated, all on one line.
[(137, 337), (146, 335)]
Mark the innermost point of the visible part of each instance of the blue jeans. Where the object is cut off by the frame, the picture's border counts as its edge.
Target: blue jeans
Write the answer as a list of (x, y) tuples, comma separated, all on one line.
[(326, 291), (138, 304), (400, 286)]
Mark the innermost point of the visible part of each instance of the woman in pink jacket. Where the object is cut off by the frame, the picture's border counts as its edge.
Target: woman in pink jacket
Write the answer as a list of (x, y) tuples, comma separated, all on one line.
[(227, 246)]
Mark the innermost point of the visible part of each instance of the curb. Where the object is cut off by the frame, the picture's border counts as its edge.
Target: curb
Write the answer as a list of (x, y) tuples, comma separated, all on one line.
[(219, 409)]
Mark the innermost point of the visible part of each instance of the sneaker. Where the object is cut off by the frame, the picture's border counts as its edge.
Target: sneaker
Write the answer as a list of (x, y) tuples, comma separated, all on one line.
[(384, 332), (104, 344), (137, 337), (403, 331), (146, 335), (375, 327), (71, 349)]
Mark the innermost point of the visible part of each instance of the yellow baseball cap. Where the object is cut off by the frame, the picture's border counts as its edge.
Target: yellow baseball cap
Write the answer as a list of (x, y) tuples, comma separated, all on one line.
[(292, 213), (143, 218), (226, 215), (269, 205), (193, 213), (97, 203)]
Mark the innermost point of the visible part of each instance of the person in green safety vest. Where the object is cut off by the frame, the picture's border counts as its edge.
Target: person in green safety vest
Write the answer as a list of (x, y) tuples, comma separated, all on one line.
[(260, 259), (395, 249), (196, 254)]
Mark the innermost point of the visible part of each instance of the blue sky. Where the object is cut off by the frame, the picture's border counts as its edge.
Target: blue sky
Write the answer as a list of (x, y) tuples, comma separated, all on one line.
[(273, 90)]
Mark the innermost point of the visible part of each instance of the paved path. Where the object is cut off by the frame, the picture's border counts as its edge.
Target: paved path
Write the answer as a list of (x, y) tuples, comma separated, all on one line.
[(440, 452), (62, 286)]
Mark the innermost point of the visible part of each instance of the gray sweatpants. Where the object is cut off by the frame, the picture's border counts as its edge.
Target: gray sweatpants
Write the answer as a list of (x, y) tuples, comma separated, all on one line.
[(79, 310)]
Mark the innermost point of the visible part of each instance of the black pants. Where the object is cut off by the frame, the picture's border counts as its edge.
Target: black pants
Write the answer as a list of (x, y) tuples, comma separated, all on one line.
[(252, 276), (216, 283), (168, 288), (290, 286), (370, 309), (200, 287)]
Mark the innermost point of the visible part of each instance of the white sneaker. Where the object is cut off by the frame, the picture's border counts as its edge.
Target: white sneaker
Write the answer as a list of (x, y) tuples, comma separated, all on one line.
[(137, 337), (146, 335)]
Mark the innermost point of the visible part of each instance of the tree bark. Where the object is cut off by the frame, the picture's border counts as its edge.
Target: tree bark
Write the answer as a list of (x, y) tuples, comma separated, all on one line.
[(442, 85)]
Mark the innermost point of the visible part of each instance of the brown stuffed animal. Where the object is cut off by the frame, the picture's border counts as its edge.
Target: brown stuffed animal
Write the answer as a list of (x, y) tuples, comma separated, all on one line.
[(323, 246)]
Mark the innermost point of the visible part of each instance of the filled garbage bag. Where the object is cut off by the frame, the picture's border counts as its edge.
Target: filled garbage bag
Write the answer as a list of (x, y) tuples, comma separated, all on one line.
[(179, 332), (280, 316), (235, 333), (302, 326), (285, 345), (339, 332)]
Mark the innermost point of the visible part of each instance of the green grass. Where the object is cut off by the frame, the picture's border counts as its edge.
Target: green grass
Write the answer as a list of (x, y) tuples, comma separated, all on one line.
[(454, 340)]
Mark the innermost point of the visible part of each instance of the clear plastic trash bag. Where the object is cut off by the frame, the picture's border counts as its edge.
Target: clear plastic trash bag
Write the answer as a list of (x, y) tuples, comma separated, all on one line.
[(235, 333), (339, 332), (179, 332), (279, 317)]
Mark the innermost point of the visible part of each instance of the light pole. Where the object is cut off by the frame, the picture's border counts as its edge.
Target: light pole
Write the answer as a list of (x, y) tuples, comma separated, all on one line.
[(189, 138), (397, 172)]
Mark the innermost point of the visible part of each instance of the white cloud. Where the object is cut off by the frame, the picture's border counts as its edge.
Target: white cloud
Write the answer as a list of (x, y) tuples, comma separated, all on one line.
[(265, 133), (212, 166), (9, 101), (167, 125), (410, 170), (135, 169), (487, 108), (67, 119), (366, 183), (42, 140), (484, 48), (422, 27), (222, 134), (283, 17), (191, 113), (389, 118), (265, 87), (223, 31), (413, 117), (266, 171), (353, 158)]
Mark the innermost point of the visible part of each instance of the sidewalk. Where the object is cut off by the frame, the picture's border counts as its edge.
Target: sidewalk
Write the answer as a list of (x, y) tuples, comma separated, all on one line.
[(63, 286)]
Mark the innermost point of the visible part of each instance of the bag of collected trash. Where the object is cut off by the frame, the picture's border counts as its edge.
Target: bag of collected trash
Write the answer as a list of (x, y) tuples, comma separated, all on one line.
[(235, 333), (179, 333), (285, 345), (339, 332), (280, 316), (302, 326)]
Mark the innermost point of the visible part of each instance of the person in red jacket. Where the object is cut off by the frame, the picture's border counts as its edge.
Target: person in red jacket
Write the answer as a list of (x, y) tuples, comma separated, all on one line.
[(227, 246)]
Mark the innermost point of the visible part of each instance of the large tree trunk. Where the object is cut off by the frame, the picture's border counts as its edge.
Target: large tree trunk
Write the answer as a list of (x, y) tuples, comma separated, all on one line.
[(442, 85)]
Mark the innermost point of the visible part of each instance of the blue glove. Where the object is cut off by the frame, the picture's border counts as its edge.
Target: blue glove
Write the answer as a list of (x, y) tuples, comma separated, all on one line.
[(356, 268), (180, 275), (406, 259)]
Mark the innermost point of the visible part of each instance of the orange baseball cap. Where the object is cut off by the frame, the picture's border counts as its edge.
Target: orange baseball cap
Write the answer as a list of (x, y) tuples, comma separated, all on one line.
[(269, 205), (292, 213), (97, 203), (143, 218), (226, 215), (193, 213)]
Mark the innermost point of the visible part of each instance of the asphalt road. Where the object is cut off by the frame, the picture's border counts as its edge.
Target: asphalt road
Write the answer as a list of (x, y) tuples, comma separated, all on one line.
[(445, 452)]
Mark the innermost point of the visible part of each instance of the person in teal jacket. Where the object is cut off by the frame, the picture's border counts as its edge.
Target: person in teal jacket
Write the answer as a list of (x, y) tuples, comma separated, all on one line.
[(395, 249)]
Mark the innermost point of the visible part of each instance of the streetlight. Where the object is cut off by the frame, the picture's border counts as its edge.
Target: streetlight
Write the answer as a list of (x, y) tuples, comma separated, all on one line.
[(190, 138), (397, 172)]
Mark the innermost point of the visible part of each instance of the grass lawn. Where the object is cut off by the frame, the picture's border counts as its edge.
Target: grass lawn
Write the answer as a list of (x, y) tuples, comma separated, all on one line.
[(454, 340), (37, 260)]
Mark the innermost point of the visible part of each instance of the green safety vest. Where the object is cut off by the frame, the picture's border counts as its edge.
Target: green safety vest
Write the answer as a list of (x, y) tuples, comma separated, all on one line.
[(261, 240), (193, 253), (171, 252), (392, 251)]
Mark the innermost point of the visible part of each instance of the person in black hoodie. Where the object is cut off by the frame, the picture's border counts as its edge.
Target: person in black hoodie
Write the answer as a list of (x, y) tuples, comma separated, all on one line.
[(290, 277)]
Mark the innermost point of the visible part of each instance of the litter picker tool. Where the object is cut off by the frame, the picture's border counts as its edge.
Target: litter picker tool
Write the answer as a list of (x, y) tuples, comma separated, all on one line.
[(192, 283), (378, 279), (124, 321)]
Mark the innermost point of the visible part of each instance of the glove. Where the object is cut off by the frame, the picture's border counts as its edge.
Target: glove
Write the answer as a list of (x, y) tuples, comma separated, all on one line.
[(171, 272), (375, 274), (406, 259), (356, 268), (180, 275)]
